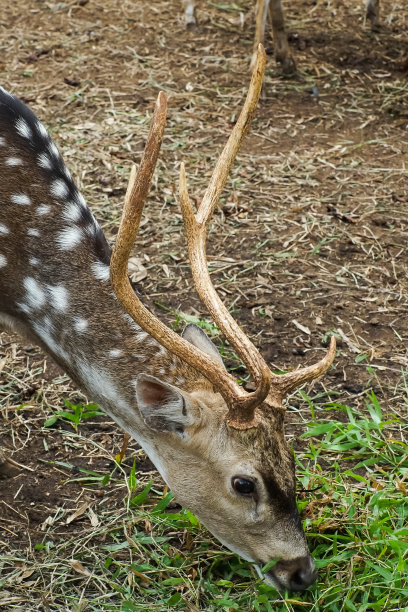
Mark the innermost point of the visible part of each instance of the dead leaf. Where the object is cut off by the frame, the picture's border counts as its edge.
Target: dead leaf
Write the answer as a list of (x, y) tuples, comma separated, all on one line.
[(26, 574), (79, 568), (141, 576), (402, 487), (136, 269), (49, 521), (93, 518), (302, 328), (347, 340), (2, 363), (77, 513)]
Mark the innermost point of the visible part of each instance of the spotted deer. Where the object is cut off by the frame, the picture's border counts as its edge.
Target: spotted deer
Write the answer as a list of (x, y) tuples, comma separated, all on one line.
[(281, 46), (220, 449)]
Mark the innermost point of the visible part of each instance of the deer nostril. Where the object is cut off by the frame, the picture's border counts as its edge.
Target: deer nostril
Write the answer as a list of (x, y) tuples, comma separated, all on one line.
[(294, 574), (302, 578)]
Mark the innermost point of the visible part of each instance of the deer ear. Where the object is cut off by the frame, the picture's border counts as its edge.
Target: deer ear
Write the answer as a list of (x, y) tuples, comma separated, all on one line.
[(196, 336), (163, 407)]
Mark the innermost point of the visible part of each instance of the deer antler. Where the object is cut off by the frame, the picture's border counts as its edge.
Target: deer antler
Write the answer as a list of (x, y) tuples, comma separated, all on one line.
[(270, 388), (196, 226)]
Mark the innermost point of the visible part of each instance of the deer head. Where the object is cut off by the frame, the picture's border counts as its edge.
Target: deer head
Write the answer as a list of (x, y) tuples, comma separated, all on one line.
[(221, 449)]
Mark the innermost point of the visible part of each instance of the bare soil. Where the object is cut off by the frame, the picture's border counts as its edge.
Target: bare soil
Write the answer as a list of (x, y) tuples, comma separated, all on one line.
[(311, 235)]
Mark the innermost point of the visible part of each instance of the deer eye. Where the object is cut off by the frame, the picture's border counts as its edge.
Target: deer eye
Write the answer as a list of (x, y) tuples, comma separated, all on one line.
[(243, 486)]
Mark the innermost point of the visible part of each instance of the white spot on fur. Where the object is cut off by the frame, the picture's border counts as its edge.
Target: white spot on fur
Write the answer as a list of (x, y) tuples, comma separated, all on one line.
[(23, 128), (33, 261), (67, 173), (14, 161), (80, 324), (43, 209), (33, 232), (20, 198), (24, 307), (80, 199), (44, 161), (2, 141), (44, 332), (69, 237), (72, 212), (91, 229), (53, 150), (115, 353), (59, 189), (35, 297), (42, 129), (3, 261), (58, 297), (4, 229), (48, 324), (142, 336), (101, 270)]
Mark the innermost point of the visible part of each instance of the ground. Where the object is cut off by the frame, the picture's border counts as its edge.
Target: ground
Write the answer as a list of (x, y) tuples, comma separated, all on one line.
[(310, 238)]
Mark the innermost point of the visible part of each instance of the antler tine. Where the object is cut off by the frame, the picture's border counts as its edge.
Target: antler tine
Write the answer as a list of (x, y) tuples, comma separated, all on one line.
[(285, 383), (196, 226), (229, 153), (135, 198), (138, 188)]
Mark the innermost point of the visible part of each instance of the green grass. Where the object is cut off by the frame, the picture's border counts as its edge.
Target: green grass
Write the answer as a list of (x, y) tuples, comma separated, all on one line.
[(75, 414), (353, 478)]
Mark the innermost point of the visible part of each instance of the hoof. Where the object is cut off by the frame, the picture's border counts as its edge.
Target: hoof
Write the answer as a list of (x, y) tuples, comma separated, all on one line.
[(288, 65)]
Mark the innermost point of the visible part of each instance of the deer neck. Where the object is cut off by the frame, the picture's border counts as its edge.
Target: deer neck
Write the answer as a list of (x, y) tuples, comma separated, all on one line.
[(85, 329)]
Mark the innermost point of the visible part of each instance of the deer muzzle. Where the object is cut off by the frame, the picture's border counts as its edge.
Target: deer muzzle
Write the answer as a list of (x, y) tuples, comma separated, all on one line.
[(294, 575)]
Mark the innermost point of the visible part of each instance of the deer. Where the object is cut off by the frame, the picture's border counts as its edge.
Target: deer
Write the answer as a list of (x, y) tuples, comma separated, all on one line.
[(220, 449), (281, 47)]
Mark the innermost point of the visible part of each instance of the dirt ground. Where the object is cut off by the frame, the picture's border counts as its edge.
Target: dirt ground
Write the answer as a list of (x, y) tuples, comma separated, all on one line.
[(312, 233)]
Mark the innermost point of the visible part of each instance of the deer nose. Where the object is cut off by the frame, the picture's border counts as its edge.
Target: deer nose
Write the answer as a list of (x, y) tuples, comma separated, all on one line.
[(296, 574)]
